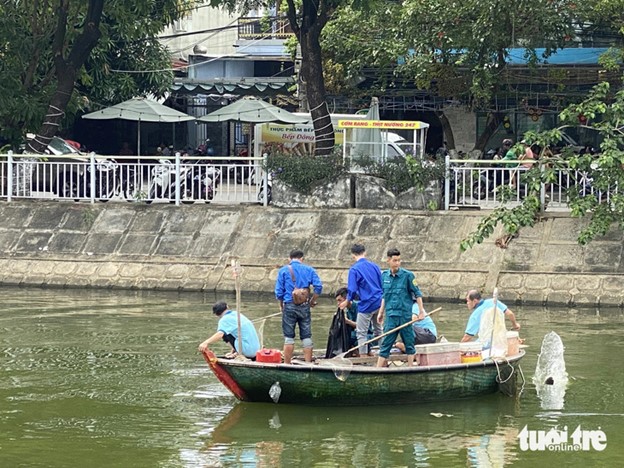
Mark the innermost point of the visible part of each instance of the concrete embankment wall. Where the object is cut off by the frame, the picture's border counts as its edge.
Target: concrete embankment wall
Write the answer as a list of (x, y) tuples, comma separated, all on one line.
[(136, 246)]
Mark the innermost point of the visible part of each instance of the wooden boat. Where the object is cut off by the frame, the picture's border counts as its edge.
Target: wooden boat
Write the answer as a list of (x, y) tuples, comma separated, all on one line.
[(329, 382)]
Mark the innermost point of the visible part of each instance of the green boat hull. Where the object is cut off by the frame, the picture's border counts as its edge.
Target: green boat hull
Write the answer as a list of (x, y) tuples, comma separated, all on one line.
[(360, 385)]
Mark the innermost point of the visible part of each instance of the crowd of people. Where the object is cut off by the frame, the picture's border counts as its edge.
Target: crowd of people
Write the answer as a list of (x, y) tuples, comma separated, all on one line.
[(375, 304)]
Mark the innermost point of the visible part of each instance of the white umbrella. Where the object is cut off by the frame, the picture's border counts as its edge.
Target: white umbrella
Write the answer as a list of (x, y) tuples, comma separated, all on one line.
[(252, 110), (140, 110), (369, 140)]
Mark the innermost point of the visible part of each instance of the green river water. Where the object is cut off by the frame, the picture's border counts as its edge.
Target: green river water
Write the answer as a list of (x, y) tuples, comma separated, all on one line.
[(114, 379)]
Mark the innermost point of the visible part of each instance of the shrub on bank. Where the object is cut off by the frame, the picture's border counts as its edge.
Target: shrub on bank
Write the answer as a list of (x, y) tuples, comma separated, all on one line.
[(303, 172), (402, 174)]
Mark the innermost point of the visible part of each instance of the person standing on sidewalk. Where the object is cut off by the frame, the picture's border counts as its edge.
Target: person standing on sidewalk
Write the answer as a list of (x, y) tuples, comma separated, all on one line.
[(364, 283)]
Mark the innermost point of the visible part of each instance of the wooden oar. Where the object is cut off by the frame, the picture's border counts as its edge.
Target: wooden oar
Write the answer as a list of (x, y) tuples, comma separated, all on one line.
[(237, 271), (495, 297), (267, 317), (342, 366), (385, 334)]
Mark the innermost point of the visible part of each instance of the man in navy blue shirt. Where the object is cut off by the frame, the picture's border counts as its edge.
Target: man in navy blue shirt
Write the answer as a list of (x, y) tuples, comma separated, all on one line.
[(364, 283), (292, 314)]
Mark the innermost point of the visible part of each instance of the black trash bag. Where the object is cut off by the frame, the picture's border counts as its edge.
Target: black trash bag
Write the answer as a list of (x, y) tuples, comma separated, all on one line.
[(339, 336)]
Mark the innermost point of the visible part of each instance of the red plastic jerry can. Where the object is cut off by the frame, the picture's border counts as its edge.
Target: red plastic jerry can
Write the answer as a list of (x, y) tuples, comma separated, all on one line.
[(269, 355)]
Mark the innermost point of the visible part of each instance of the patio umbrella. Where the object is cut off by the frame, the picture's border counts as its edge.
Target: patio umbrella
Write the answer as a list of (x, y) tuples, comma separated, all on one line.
[(252, 110), (369, 140), (140, 110)]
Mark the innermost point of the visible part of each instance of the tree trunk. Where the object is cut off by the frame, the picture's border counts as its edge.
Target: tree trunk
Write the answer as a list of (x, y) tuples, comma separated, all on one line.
[(66, 70), (449, 138), (494, 119), (307, 26), (312, 76)]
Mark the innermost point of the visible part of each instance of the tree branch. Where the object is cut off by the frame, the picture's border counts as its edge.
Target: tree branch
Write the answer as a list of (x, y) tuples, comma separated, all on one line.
[(292, 17)]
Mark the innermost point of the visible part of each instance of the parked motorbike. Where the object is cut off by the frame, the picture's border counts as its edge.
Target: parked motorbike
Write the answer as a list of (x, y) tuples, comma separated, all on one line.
[(241, 173), (488, 179), (197, 181), (269, 194), (66, 172), (205, 149)]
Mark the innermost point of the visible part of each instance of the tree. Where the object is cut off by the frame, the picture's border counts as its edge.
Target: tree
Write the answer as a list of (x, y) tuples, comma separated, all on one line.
[(601, 110), (456, 50), (307, 19), (604, 204), (460, 50), (58, 56)]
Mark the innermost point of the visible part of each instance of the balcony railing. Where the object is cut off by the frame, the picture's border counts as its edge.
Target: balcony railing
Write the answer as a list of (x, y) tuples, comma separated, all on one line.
[(266, 27)]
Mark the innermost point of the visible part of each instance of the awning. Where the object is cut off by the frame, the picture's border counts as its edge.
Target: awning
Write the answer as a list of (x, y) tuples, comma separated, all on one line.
[(240, 86)]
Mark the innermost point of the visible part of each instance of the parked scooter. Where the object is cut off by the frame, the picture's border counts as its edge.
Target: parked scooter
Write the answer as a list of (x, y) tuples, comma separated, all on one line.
[(269, 194), (197, 181), (489, 179), (202, 180), (205, 149)]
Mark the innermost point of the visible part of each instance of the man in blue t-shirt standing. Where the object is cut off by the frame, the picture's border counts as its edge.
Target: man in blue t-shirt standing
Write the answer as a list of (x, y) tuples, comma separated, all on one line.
[(227, 330), (364, 284), (297, 275)]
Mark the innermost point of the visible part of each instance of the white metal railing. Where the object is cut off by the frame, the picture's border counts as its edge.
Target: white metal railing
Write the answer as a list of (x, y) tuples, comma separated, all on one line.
[(479, 184), (175, 179), (223, 180)]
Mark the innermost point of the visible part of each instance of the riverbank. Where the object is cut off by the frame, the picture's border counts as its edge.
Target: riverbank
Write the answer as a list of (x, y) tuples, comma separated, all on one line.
[(164, 247)]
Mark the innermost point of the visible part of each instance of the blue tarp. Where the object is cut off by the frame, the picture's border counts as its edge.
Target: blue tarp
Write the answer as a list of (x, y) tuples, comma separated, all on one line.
[(571, 56)]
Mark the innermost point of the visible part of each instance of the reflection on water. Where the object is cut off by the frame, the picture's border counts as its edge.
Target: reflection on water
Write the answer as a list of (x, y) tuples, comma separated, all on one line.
[(272, 434), (101, 378)]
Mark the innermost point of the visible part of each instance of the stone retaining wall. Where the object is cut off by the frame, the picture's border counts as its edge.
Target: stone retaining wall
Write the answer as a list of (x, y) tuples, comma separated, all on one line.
[(136, 246)]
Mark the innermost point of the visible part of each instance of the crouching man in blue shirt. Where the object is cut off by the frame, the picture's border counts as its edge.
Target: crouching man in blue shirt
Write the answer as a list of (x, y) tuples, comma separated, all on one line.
[(227, 330), (425, 331)]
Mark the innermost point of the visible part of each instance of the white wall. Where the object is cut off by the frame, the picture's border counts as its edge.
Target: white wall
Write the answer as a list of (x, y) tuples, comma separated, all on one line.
[(204, 18), (221, 68)]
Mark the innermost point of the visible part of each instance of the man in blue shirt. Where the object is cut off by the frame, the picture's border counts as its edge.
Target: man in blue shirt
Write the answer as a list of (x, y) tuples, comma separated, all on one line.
[(364, 283), (425, 331), (292, 314), (399, 290), (227, 329), (478, 306)]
